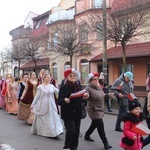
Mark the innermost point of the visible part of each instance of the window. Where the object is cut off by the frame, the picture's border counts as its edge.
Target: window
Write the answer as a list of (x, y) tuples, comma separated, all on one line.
[(84, 70), (129, 68), (48, 47), (16, 71), (47, 22), (55, 71), (98, 3), (55, 39), (86, 48), (99, 27), (38, 24), (67, 66), (84, 33)]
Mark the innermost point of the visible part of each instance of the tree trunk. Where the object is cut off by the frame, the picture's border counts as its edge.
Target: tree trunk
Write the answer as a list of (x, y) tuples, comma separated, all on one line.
[(104, 43), (124, 56), (18, 69), (71, 61), (35, 68)]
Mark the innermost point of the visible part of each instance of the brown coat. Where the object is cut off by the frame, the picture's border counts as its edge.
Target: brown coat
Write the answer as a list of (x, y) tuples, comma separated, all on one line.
[(95, 102)]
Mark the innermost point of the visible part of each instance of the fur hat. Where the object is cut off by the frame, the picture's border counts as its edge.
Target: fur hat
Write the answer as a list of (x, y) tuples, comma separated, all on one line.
[(72, 70), (133, 104), (129, 75), (91, 75)]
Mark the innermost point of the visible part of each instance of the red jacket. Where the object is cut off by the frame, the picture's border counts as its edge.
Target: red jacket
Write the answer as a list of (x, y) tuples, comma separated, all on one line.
[(127, 132)]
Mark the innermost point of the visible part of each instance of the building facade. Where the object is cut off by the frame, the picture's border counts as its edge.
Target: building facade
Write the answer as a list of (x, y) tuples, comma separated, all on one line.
[(90, 55)]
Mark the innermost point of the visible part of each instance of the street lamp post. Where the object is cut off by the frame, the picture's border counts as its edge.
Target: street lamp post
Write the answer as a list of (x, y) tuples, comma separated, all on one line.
[(104, 42)]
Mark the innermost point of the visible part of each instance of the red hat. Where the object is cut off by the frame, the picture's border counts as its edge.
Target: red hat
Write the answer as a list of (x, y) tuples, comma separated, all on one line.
[(72, 70), (91, 75)]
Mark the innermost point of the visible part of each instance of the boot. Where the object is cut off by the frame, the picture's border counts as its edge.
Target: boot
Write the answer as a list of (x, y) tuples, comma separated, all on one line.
[(107, 146)]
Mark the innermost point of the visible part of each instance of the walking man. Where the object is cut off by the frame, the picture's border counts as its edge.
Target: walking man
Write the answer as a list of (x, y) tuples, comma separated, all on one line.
[(121, 87)]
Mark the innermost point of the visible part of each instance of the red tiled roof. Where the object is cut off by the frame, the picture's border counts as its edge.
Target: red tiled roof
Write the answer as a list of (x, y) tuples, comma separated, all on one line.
[(133, 50), (40, 63)]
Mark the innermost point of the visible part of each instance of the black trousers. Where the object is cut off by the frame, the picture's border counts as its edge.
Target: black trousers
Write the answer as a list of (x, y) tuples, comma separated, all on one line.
[(146, 140), (97, 123), (72, 134), (148, 122), (122, 111)]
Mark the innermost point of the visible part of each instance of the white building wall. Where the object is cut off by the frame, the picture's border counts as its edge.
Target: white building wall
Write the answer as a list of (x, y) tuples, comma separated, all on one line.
[(28, 22)]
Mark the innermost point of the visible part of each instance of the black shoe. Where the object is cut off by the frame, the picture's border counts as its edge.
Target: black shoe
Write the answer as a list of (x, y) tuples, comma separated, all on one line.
[(119, 129), (107, 146), (109, 110), (88, 138)]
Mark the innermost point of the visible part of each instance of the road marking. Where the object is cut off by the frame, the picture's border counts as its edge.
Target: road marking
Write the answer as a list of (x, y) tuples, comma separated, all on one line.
[(6, 147)]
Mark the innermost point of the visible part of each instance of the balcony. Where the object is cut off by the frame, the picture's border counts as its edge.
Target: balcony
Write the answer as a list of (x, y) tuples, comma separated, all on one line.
[(61, 15), (82, 6)]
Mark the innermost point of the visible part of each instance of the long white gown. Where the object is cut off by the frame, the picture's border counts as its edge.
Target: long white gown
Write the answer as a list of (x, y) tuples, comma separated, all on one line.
[(47, 121)]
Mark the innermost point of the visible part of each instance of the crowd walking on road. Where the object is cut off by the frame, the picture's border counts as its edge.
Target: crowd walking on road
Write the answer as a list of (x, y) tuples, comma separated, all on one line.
[(52, 110)]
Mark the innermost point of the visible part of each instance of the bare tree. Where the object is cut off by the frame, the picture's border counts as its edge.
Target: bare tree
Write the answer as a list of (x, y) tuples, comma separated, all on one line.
[(124, 22), (4, 63), (65, 40), (32, 50), (17, 54)]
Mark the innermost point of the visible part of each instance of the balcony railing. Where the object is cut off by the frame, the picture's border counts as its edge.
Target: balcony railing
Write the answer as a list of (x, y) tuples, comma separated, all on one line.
[(61, 15)]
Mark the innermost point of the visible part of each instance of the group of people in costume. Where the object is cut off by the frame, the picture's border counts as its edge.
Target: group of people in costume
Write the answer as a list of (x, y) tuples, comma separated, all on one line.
[(38, 100)]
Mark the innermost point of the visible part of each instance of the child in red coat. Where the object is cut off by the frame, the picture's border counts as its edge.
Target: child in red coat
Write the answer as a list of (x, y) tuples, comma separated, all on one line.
[(131, 140)]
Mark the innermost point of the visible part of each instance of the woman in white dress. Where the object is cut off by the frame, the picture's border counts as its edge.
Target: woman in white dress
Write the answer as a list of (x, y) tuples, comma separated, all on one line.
[(47, 121)]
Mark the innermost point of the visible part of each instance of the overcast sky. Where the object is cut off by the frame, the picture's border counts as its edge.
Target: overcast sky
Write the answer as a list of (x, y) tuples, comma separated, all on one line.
[(14, 12)]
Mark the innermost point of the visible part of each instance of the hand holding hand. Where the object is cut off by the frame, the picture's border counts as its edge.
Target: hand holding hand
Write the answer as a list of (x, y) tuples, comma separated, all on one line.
[(86, 95), (111, 95), (67, 100)]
